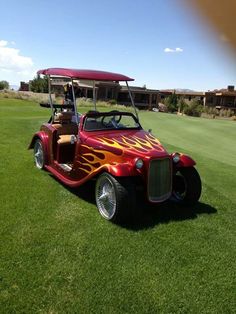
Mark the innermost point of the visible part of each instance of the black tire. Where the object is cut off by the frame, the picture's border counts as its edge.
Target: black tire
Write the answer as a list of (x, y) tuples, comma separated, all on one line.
[(187, 186), (39, 155), (115, 197)]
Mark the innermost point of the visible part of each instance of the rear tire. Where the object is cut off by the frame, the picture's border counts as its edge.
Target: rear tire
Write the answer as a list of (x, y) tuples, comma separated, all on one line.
[(115, 197), (187, 186)]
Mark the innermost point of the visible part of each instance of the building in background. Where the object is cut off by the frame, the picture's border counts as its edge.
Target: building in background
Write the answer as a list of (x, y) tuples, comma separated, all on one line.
[(24, 87), (144, 98), (221, 99)]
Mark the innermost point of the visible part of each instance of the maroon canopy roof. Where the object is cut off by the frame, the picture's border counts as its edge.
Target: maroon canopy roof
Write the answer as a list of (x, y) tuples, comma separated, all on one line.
[(86, 74)]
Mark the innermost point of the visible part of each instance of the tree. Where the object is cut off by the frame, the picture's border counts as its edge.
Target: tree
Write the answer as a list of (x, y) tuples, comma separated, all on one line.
[(172, 103), (39, 85), (4, 85), (194, 108), (182, 105)]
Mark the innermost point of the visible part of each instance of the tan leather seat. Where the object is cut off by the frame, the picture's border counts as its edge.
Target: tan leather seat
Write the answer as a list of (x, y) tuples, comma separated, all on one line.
[(65, 128), (64, 139), (63, 117)]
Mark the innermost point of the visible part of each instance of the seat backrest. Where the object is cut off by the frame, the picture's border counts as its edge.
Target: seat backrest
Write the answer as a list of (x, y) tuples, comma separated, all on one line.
[(64, 117), (71, 128)]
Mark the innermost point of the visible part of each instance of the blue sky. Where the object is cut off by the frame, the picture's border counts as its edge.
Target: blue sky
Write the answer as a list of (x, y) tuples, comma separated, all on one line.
[(160, 43)]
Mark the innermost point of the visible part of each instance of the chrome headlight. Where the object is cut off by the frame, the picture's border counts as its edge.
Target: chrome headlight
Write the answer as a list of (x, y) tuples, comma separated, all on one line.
[(176, 157), (139, 163)]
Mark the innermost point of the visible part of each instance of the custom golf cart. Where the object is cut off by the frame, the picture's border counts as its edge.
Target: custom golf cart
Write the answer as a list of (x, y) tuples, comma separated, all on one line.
[(112, 148)]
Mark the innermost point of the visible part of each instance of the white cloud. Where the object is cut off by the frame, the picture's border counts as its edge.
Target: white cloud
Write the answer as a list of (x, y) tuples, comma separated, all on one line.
[(169, 50), (173, 50), (3, 43), (12, 60)]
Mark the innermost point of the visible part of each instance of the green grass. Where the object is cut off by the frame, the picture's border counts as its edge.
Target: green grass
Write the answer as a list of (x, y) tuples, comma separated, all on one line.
[(57, 255)]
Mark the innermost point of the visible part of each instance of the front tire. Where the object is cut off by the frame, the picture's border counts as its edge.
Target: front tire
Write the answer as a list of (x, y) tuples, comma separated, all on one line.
[(115, 198), (39, 157), (187, 186)]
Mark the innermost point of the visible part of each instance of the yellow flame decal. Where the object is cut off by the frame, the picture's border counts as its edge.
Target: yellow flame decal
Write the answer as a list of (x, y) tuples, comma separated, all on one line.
[(92, 159), (93, 162), (135, 143)]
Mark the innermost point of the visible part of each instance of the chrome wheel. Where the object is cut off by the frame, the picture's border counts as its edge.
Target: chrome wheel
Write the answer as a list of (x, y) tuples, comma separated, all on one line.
[(38, 154), (106, 197)]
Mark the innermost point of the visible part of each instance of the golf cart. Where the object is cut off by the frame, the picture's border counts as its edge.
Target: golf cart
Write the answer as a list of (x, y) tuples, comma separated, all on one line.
[(111, 148)]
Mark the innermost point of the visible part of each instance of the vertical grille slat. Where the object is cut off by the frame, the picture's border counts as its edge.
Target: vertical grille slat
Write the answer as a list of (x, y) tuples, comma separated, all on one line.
[(159, 180)]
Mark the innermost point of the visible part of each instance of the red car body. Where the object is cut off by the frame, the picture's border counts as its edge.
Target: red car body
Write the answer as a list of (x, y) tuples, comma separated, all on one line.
[(118, 156)]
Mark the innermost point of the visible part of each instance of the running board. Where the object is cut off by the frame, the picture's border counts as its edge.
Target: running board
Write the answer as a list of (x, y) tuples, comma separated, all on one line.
[(63, 178), (65, 167)]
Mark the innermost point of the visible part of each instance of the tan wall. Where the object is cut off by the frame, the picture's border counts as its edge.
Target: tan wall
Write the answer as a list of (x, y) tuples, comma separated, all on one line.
[(36, 96)]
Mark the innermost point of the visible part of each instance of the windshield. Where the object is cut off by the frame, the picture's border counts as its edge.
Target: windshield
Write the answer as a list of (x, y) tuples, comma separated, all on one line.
[(111, 121)]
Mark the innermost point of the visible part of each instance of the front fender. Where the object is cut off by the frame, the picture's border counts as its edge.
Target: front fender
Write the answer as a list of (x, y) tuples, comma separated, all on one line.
[(44, 138), (122, 170), (185, 161)]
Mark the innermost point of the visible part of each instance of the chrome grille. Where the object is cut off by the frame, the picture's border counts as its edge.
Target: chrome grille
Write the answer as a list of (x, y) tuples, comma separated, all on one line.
[(159, 180)]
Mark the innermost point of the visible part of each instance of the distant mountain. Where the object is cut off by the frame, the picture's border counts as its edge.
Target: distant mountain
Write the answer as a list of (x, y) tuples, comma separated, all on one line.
[(185, 90), (180, 90)]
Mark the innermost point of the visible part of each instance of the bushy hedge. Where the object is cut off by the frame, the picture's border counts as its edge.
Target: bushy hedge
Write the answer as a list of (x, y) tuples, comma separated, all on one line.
[(171, 103), (193, 108), (39, 85), (4, 85), (213, 112)]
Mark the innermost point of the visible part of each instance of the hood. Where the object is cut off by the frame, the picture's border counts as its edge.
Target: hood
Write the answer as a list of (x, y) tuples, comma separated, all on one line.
[(134, 142)]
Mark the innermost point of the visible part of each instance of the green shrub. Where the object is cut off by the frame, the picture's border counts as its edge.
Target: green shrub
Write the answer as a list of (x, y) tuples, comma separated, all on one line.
[(206, 109), (4, 85), (194, 109), (229, 113), (223, 113), (112, 102), (83, 102), (182, 105), (171, 103), (39, 85)]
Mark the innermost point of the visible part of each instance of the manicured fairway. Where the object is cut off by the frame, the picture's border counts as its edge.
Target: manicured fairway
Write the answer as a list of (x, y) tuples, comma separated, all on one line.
[(57, 255)]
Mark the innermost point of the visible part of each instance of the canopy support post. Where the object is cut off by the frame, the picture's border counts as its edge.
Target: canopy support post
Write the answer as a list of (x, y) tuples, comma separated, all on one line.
[(94, 96), (50, 97), (74, 101), (132, 101)]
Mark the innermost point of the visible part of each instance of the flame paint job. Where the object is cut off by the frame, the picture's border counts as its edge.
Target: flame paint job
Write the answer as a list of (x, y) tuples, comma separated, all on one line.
[(114, 148), (116, 153), (141, 143), (92, 161), (97, 151)]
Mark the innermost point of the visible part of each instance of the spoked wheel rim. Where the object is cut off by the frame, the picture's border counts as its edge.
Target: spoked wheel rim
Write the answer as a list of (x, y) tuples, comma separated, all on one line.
[(106, 197), (38, 155), (180, 187)]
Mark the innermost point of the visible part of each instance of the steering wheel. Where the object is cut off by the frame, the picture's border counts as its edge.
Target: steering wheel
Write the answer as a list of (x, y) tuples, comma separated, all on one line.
[(118, 116), (114, 120)]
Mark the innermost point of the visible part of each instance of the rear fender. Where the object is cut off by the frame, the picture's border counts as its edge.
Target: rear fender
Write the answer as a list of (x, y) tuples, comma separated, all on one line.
[(44, 138)]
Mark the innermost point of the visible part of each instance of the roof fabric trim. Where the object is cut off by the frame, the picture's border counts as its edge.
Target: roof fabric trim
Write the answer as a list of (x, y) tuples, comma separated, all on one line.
[(85, 74)]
